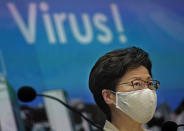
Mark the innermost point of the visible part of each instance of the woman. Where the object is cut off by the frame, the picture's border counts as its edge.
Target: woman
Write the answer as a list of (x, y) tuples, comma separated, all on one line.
[(123, 88)]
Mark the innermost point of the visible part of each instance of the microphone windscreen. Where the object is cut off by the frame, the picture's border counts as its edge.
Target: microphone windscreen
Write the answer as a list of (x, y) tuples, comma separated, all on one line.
[(169, 126), (26, 94)]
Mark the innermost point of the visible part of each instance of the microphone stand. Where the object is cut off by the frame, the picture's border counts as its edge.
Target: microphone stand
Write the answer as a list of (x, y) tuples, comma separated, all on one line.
[(73, 109), (180, 125), (170, 126)]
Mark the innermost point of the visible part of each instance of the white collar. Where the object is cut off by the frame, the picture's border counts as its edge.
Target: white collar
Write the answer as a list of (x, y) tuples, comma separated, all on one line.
[(110, 127)]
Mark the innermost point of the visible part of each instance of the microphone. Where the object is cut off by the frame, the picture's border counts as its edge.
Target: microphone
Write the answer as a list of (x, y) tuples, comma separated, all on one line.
[(170, 126), (28, 94)]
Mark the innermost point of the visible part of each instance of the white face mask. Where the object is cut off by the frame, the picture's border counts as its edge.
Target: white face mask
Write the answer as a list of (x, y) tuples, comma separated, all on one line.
[(140, 105)]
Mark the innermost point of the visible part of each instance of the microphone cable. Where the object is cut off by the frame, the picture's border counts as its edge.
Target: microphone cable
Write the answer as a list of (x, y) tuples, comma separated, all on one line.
[(28, 94)]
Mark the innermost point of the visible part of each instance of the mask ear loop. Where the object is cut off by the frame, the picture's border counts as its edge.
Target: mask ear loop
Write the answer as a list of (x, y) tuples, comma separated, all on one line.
[(115, 93)]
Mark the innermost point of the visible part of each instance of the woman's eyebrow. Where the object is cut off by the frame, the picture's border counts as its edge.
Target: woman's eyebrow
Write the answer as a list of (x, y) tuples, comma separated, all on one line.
[(135, 78), (139, 78), (149, 78)]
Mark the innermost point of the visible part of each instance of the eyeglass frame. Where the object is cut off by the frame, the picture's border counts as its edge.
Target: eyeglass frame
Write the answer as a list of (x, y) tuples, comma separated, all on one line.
[(157, 83)]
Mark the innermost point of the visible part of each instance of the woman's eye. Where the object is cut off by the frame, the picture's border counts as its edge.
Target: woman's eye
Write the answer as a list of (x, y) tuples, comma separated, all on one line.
[(137, 83), (150, 83)]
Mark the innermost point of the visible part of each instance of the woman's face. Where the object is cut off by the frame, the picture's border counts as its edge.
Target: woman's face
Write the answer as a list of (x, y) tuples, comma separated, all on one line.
[(140, 73)]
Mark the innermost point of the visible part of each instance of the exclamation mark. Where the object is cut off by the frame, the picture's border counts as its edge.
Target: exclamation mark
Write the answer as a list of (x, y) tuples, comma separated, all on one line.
[(118, 23)]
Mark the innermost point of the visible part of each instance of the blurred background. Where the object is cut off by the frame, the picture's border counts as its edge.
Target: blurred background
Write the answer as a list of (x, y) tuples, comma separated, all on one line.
[(52, 45)]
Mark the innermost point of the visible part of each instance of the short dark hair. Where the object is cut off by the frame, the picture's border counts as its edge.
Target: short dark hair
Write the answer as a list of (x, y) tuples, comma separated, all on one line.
[(109, 68)]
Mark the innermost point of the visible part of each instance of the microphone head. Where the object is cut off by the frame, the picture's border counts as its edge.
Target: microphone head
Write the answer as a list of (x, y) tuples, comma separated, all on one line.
[(169, 126), (26, 94)]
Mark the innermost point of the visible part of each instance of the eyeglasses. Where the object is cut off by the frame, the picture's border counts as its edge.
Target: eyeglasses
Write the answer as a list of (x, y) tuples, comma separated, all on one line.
[(139, 84)]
